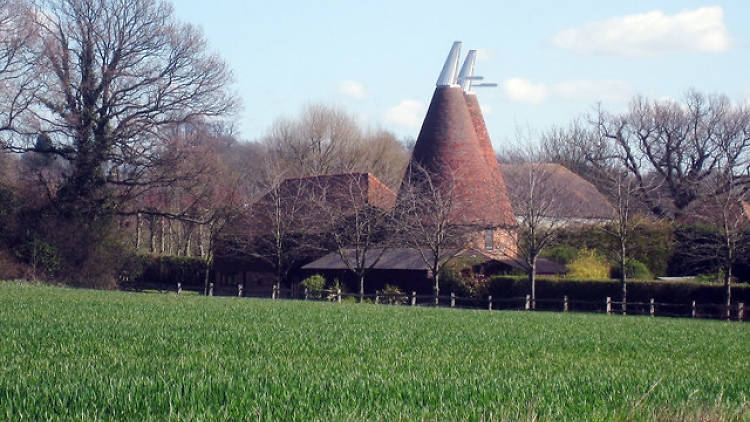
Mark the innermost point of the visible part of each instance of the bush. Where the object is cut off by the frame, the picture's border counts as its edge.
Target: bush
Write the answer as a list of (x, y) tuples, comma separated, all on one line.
[(458, 276), (395, 296), (145, 269), (314, 283), (633, 269), (588, 265), (561, 254), (652, 243)]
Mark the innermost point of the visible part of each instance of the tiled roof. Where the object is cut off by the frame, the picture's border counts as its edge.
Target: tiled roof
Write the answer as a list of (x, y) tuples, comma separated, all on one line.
[(342, 187), (387, 259), (574, 196), (447, 146)]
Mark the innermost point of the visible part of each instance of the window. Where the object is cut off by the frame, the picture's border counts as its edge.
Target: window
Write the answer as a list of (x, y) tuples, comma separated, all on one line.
[(489, 239)]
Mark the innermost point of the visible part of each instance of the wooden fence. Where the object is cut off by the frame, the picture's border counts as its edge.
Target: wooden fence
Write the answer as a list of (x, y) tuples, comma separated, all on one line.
[(565, 304)]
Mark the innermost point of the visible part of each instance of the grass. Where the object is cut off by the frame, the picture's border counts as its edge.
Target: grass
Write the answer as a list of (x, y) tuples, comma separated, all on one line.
[(93, 355)]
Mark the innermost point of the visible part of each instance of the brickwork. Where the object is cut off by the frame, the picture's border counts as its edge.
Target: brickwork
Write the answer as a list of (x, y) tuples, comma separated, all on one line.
[(448, 147), (485, 145)]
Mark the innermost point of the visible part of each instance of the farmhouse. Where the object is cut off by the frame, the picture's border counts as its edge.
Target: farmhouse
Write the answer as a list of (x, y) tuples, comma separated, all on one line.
[(576, 200), (454, 150)]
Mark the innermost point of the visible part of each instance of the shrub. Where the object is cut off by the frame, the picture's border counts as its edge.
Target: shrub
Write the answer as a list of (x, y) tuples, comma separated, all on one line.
[(561, 254), (588, 265), (458, 276), (633, 269), (395, 296), (146, 269), (314, 283)]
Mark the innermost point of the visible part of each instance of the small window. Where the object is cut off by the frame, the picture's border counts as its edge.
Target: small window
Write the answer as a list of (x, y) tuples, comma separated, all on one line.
[(489, 239)]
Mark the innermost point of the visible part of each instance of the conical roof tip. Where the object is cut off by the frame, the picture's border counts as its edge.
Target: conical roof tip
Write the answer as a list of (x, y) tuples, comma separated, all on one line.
[(467, 71), (450, 68)]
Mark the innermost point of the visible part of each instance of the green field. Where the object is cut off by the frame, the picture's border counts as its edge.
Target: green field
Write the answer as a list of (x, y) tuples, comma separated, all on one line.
[(92, 355)]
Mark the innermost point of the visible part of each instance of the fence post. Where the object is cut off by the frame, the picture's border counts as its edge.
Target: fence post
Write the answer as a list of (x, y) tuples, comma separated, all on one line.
[(609, 305), (692, 309), (489, 302), (413, 298), (453, 300), (239, 290), (740, 311), (528, 302), (651, 307), (211, 289), (565, 303), (338, 295), (179, 288), (306, 293), (377, 297)]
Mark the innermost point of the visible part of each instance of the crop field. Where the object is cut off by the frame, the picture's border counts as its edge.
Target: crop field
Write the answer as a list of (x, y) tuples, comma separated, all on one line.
[(92, 355)]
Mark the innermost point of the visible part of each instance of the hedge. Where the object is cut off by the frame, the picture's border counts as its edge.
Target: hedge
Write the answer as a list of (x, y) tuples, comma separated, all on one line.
[(598, 290), (146, 269)]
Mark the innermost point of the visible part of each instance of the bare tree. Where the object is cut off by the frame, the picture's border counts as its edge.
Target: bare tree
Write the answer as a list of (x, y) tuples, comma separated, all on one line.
[(425, 217), (115, 73), (278, 228), (621, 230), (17, 79), (724, 211), (320, 141), (355, 216), (327, 140), (676, 146), (540, 210)]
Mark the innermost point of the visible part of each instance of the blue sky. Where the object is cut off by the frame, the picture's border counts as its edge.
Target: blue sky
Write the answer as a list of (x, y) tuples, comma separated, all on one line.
[(379, 60)]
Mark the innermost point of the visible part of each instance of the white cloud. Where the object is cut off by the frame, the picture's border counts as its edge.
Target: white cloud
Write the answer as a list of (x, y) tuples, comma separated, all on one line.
[(353, 89), (408, 113), (486, 109), (650, 34), (588, 90), (485, 54), (525, 91)]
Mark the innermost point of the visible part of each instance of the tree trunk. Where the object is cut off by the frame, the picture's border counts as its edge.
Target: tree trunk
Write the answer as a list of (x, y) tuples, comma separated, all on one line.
[(532, 281), (206, 279), (728, 291), (163, 245), (151, 231), (361, 288), (623, 280), (436, 276), (623, 283), (137, 231)]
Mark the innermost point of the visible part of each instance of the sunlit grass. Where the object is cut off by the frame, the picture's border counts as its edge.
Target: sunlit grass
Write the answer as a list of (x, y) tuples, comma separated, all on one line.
[(84, 355)]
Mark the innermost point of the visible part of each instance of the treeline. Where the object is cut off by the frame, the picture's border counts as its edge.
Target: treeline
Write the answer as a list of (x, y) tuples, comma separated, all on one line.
[(679, 165), (116, 139)]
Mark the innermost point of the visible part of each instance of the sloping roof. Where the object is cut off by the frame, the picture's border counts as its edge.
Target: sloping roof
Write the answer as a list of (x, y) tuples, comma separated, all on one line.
[(345, 187), (575, 197), (711, 210), (388, 259), (447, 147), (485, 146)]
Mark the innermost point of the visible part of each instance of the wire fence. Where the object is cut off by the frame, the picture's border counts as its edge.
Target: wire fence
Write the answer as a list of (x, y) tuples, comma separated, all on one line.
[(735, 312)]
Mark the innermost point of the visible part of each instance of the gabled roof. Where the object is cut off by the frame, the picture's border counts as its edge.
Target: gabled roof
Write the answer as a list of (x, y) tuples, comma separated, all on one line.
[(388, 259), (574, 196), (341, 187)]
